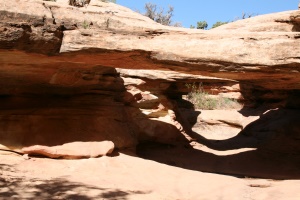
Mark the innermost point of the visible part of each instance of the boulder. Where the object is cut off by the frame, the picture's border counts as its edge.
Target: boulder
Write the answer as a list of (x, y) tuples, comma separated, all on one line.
[(73, 150)]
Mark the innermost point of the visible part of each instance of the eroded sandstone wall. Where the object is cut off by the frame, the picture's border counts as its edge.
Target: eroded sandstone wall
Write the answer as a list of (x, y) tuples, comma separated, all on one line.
[(103, 72)]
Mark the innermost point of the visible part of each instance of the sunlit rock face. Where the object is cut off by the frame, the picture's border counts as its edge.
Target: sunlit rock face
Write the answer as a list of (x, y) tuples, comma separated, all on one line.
[(103, 72)]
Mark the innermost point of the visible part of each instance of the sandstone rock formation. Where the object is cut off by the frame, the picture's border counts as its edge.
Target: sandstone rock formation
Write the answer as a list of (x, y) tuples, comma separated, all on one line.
[(102, 72), (72, 150)]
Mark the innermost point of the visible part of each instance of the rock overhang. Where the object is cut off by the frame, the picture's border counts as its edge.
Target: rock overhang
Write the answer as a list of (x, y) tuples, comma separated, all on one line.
[(52, 54)]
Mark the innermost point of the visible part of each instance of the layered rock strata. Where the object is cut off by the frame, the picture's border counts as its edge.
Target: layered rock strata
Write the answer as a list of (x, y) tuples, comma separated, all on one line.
[(102, 72)]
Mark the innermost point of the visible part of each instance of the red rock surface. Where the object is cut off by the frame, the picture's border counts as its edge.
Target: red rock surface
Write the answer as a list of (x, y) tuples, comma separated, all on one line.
[(73, 150), (116, 78)]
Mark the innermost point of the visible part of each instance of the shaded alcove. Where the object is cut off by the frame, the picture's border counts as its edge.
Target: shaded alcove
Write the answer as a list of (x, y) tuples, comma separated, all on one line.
[(68, 92), (71, 102), (272, 142)]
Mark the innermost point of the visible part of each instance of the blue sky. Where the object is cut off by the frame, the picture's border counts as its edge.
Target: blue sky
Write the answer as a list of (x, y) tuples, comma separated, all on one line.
[(189, 12)]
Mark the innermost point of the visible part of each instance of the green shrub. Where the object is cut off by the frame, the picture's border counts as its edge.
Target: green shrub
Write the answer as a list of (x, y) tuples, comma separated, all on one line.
[(113, 1), (203, 100), (79, 3), (217, 24), (86, 24), (82, 3)]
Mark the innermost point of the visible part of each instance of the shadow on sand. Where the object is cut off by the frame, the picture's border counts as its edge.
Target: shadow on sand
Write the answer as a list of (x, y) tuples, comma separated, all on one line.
[(99, 92), (12, 187), (274, 153)]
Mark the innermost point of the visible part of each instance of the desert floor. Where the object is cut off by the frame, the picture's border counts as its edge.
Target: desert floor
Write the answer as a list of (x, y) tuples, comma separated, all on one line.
[(158, 172)]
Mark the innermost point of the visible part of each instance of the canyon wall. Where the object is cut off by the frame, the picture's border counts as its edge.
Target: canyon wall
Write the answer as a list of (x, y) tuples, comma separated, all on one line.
[(103, 72)]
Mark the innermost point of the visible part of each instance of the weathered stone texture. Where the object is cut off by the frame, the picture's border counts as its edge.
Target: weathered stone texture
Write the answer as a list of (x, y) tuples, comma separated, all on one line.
[(102, 72)]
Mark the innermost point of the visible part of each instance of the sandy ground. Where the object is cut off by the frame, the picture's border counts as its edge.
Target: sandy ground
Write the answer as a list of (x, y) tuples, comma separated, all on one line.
[(222, 169), (126, 176)]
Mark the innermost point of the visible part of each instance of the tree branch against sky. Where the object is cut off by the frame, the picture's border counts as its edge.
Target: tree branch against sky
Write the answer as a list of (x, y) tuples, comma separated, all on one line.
[(192, 11)]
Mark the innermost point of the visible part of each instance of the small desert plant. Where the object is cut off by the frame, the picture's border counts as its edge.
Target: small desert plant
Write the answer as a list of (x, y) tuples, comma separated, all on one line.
[(79, 3), (82, 3), (202, 100), (217, 24), (86, 24), (159, 15), (113, 1)]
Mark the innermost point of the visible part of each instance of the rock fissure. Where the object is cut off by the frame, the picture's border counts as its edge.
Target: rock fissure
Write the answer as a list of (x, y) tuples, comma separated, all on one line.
[(50, 9)]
